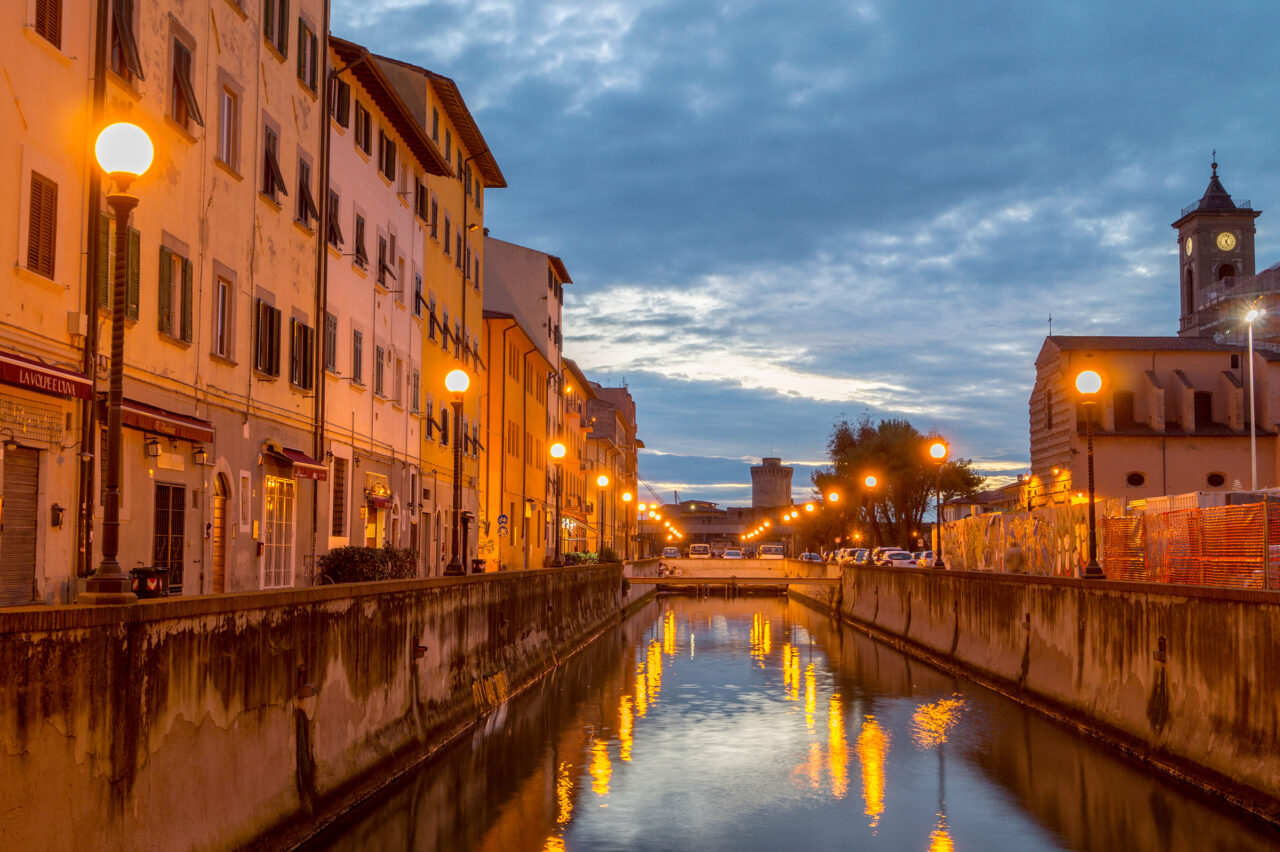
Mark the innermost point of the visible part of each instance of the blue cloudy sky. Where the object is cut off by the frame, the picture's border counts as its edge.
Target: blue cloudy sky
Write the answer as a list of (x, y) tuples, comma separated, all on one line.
[(778, 214)]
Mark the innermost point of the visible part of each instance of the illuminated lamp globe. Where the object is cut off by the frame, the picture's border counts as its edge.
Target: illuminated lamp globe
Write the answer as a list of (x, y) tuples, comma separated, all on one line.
[(557, 450), (938, 450), (833, 497), (457, 381), (641, 507), (602, 480), (766, 523), (626, 496), (124, 149), (808, 507), (870, 481), (1253, 314), (1088, 382)]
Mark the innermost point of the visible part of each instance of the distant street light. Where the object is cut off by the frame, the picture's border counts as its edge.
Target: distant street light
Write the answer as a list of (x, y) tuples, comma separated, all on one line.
[(557, 454), (1089, 383), (626, 527), (603, 481), (833, 497), (938, 450), (124, 151), (1254, 314), (456, 382)]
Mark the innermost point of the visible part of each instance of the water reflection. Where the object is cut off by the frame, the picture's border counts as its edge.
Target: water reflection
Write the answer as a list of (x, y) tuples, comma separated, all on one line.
[(635, 744)]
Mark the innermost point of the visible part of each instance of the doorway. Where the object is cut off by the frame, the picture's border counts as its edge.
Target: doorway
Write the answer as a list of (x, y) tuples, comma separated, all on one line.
[(220, 491), (18, 526)]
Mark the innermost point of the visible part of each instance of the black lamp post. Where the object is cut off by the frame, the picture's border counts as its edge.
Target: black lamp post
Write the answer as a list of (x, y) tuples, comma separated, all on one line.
[(124, 152), (938, 451), (603, 481), (626, 525), (1089, 383), (457, 383), (557, 454)]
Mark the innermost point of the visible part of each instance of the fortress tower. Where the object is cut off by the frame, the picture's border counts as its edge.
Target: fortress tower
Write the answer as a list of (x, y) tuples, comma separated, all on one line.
[(770, 484)]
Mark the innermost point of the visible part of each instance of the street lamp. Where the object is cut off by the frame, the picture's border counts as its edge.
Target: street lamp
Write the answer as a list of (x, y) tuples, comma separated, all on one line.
[(124, 152), (457, 382), (626, 526), (1088, 383), (603, 481), (1254, 313), (557, 453), (938, 450)]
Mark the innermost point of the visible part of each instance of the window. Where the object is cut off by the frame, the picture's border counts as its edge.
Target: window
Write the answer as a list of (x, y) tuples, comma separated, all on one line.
[(432, 322), (229, 128), (302, 340), (457, 257), (167, 537), (308, 213), (275, 24), (183, 107), (1122, 405), (428, 415), (415, 391), (1216, 480), (49, 21), (223, 300), (339, 513), (361, 254), (383, 267), (363, 130), (448, 228), (124, 47), (417, 294), (1203, 402), (357, 357), (42, 225), (1048, 409), (175, 292), (444, 425), (448, 147), (419, 198), (435, 219), (308, 55), (435, 125), (277, 533), (340, 109), (386, 156), (397, 377), (379, 358), (106, 267), (266, 350), (1235, 362), (444, 332), (273, 185), (334, 235), (331, 343), (1135, 480)]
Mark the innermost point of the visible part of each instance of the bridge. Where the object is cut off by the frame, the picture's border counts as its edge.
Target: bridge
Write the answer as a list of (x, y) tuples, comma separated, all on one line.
[(722, 572), (734, 581)]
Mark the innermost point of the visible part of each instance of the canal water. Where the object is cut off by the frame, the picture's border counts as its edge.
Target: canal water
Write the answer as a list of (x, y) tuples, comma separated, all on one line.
[(760, 724)]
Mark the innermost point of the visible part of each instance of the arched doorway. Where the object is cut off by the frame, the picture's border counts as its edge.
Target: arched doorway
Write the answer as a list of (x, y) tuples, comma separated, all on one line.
[(220, 490)]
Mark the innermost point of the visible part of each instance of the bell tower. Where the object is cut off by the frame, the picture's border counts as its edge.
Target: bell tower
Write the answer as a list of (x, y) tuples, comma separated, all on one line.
[(1215, 249)]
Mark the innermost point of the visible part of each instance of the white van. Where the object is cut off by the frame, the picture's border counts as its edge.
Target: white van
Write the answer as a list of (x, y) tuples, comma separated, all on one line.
[(770, 551), (699, 551)]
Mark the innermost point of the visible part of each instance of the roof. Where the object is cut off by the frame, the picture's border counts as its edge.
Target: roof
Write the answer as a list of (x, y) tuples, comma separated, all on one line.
[(1139, 344), (468, 131), (491, 314), (1216, 199), (558, 265), (356, 60)]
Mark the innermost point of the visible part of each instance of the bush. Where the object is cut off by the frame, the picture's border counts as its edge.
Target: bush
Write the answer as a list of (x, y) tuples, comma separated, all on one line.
[(607, 554), (579, 557), (354, 564)]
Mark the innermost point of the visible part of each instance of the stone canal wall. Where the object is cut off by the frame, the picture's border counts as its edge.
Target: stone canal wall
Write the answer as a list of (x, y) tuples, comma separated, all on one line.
[(1182, 677), (221, 722)]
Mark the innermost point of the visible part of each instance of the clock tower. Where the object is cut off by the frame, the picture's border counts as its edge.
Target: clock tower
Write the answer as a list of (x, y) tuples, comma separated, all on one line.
[(1215, 249)]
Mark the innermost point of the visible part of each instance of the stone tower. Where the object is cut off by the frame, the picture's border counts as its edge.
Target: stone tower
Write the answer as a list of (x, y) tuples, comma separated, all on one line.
[(770, 484), (1215, 251)]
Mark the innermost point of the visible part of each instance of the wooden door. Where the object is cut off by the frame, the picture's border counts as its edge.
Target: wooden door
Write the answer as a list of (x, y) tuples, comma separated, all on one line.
[(220, 490), (18, 526)]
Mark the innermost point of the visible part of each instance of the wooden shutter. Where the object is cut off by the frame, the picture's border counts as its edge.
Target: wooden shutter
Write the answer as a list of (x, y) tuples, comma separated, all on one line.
[(134, 294), (275, 316), (269, 20), (187, 275), (42, 227), (260, 335), (302, 53), (166, 291), (295, 357), (49, 21), (104, 261)]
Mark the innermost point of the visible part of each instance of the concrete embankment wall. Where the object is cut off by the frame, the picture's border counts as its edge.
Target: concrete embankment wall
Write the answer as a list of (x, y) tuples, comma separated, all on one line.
[(1184, 677), (220, 722)]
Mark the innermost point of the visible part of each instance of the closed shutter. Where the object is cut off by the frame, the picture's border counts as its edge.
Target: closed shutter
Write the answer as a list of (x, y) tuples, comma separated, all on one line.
[(166, 291), (104, 260), (42, 225), (133, 296), (185, 330), (49, 21), (18, 531)]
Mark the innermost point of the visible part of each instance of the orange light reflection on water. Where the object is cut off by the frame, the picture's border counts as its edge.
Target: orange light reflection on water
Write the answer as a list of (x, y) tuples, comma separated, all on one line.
[(940, 839), (931, 722), (873, 751), (601, 768), (838, 747), (626, 722)]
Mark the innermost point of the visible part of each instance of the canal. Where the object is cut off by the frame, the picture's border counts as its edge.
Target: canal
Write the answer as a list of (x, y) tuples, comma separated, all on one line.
[(758, 723)]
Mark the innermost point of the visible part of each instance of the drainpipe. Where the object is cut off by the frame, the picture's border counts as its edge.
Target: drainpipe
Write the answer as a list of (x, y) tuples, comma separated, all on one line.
[(524, 468), (502, 456), (322, 292)]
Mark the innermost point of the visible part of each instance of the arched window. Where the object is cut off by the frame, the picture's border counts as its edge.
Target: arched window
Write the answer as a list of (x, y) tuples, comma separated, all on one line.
[(1226, 270), (1189, 293)]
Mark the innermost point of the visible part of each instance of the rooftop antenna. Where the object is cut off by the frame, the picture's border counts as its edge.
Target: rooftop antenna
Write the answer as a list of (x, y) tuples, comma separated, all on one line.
[(1051, 325)]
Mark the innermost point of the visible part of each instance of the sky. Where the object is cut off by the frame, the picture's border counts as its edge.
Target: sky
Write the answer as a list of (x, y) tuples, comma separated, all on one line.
[(780, 214)]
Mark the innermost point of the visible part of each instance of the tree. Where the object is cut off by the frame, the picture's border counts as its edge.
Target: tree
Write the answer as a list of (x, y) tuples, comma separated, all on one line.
[(897, 455)]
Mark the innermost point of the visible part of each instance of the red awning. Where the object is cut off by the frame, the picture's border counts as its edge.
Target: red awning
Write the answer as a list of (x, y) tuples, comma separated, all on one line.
[(304, 467), (149, 418), (377, 501), (31, 374)]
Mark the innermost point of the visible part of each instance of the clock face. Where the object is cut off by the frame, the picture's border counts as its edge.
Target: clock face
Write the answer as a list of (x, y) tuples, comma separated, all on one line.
[(1187, 244), (1226, 241)]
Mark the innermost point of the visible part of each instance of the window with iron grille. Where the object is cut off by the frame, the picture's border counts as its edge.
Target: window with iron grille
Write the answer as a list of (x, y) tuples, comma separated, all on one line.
[(266, 351), (49, 21), (175, 294), (42, 225), (302, 348), (124, 46), (183, 106)]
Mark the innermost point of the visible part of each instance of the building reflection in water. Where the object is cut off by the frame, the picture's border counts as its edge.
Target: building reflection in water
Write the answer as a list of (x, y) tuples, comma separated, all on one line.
[(712, 770)]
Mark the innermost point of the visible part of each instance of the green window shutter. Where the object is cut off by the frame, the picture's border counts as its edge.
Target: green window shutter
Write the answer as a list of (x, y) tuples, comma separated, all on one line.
[(104, 260), (133, 297), (186, 300), (165, 289)]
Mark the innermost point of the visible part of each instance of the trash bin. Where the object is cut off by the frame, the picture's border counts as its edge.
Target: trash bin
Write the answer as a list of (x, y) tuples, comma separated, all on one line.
[(477, 566), (150, 582)]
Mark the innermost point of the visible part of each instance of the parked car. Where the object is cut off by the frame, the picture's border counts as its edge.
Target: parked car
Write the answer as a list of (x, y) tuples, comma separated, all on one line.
[(771, 551), (925, 559), (898, 559), (699, 551), (670, 553), (878, 554), (810, 557), (733, 553), (861, 556)]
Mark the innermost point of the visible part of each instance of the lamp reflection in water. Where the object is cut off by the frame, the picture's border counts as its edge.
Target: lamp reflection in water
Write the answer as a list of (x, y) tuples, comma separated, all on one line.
[(810, 697), (601, 768), (761, 638), (930, 725), (654, 674), (669, 634), (838, 747), (791, 671), (626, 724), (873, 751)]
